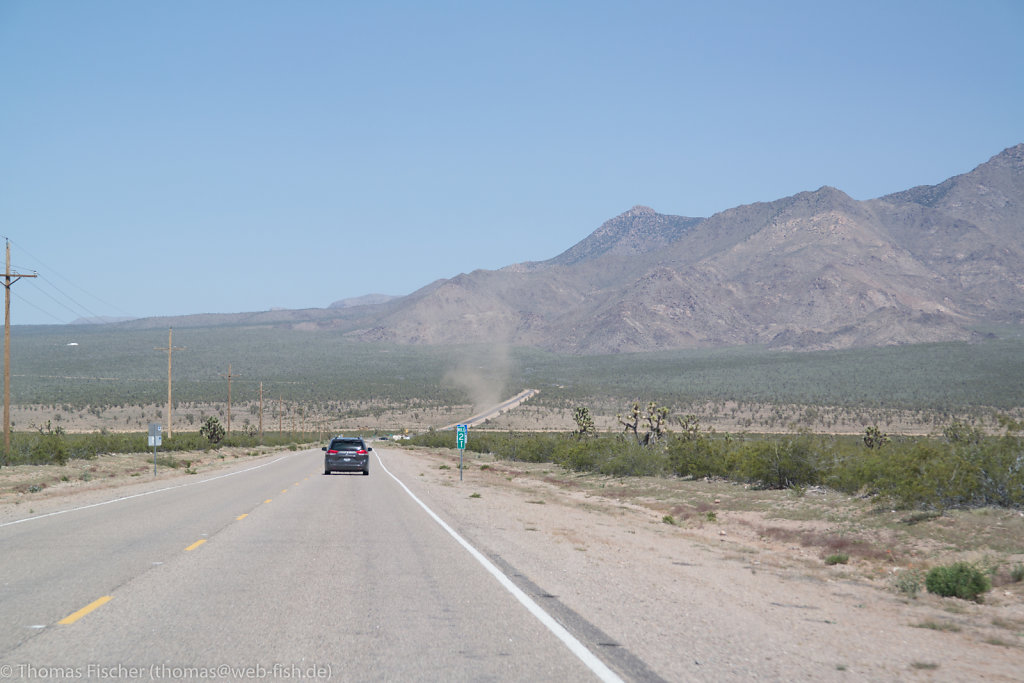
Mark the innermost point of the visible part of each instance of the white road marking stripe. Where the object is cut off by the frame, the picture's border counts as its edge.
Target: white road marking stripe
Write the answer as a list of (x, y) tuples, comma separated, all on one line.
[(575, 646), (146, 493)]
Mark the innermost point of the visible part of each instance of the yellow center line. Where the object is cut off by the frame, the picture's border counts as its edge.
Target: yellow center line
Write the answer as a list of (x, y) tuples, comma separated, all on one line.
[(283, 490), (196, 544), (72, 618), (268, 500), (241, 516)]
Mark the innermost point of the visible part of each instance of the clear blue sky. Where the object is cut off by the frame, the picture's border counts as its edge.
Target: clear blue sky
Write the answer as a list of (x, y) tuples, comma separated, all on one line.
[(164, 158)]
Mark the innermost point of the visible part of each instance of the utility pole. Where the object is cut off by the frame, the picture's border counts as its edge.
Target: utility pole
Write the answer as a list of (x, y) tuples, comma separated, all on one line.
[(261, 412), (170, 349), (229, 376), (9, 279)]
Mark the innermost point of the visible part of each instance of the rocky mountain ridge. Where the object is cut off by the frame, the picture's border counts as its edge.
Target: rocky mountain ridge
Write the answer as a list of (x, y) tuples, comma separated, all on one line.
[(817, 270)]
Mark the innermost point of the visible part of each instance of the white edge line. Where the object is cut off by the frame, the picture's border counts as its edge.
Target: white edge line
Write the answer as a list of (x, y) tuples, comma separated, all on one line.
[(575, 646), (144, 493)]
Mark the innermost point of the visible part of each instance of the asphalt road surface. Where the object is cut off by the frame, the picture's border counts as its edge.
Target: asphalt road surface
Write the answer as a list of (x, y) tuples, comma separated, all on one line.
[(266, 572), (487, 414)]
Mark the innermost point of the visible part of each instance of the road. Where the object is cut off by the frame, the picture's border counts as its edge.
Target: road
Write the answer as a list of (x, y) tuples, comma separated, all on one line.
[(487, 414), (266, 572)]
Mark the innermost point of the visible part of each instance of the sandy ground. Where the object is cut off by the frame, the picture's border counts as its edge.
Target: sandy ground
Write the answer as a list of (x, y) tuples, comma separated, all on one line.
[(734, 588)]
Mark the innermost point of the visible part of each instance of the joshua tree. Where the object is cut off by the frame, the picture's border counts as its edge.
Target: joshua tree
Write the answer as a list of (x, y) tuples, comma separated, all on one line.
[(632, 422), (690, 425), (655, 419), (212, 430), (584, 422), (874, 438)]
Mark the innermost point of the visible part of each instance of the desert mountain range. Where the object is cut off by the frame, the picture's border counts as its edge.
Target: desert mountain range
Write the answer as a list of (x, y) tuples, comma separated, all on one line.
[(817, 270)]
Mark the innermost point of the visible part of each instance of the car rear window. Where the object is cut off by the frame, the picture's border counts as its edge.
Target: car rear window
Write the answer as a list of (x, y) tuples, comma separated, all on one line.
[(346, 445)]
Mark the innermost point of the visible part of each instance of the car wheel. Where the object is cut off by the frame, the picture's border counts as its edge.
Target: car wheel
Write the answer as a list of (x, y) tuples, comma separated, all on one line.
[(327, 471), (366, 473)]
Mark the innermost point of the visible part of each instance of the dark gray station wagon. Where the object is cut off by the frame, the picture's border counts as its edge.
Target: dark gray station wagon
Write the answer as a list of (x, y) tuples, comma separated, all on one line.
[(347, 454)]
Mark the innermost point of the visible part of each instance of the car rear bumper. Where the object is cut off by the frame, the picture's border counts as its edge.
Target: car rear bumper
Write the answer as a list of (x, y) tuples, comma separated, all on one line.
[(341, 463)]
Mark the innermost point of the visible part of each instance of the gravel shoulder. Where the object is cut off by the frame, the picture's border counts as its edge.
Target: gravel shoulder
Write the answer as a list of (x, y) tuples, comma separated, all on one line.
[(698, 600), (699, 580)]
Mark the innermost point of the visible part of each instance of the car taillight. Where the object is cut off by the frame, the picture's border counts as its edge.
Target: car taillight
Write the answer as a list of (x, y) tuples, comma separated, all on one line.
[(332, 452), (360, 452)]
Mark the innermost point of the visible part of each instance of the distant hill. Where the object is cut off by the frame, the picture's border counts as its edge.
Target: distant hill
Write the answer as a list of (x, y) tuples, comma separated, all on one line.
[(99, 320), (817, 270), (365, 300)]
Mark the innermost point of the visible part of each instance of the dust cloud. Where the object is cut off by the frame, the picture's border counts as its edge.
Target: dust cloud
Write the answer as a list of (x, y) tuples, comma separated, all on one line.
[(483, 373)]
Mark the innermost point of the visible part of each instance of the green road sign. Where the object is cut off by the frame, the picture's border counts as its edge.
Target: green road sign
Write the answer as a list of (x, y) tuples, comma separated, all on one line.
[(461, 433)]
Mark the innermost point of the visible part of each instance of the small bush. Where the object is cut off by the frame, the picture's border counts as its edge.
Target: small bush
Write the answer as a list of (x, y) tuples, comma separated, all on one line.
[(1017, 573), (838, 558), (909, 582), (961, 580), (669, 519)]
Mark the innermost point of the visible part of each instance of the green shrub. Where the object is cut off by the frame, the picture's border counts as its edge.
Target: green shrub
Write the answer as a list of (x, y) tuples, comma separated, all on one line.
[(779, 463), (630, 460), (580, 456), (925, 473), (697, 457), (961, 580), (838, 558)]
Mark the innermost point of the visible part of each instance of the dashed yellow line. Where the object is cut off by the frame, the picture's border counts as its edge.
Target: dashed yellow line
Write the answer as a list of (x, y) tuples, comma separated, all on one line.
[(239, 517), (72, 618), (268, 500), (196, 544)]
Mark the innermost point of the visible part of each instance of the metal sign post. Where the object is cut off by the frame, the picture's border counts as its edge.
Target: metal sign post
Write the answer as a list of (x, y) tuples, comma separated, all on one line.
[(154, 440), (461, 434)]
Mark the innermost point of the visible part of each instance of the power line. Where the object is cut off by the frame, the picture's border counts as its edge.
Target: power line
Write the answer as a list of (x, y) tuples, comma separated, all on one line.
[(56, 301), (85, 308), (57, 272), (41, 310)]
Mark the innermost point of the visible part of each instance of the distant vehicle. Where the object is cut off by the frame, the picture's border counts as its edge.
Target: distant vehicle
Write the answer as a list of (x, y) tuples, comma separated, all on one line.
[(382, 438), (347, 454)]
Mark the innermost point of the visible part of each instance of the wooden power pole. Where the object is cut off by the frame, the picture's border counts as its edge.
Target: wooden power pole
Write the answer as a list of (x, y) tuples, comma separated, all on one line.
[(170, 349), (229, 376), (9, 279)]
